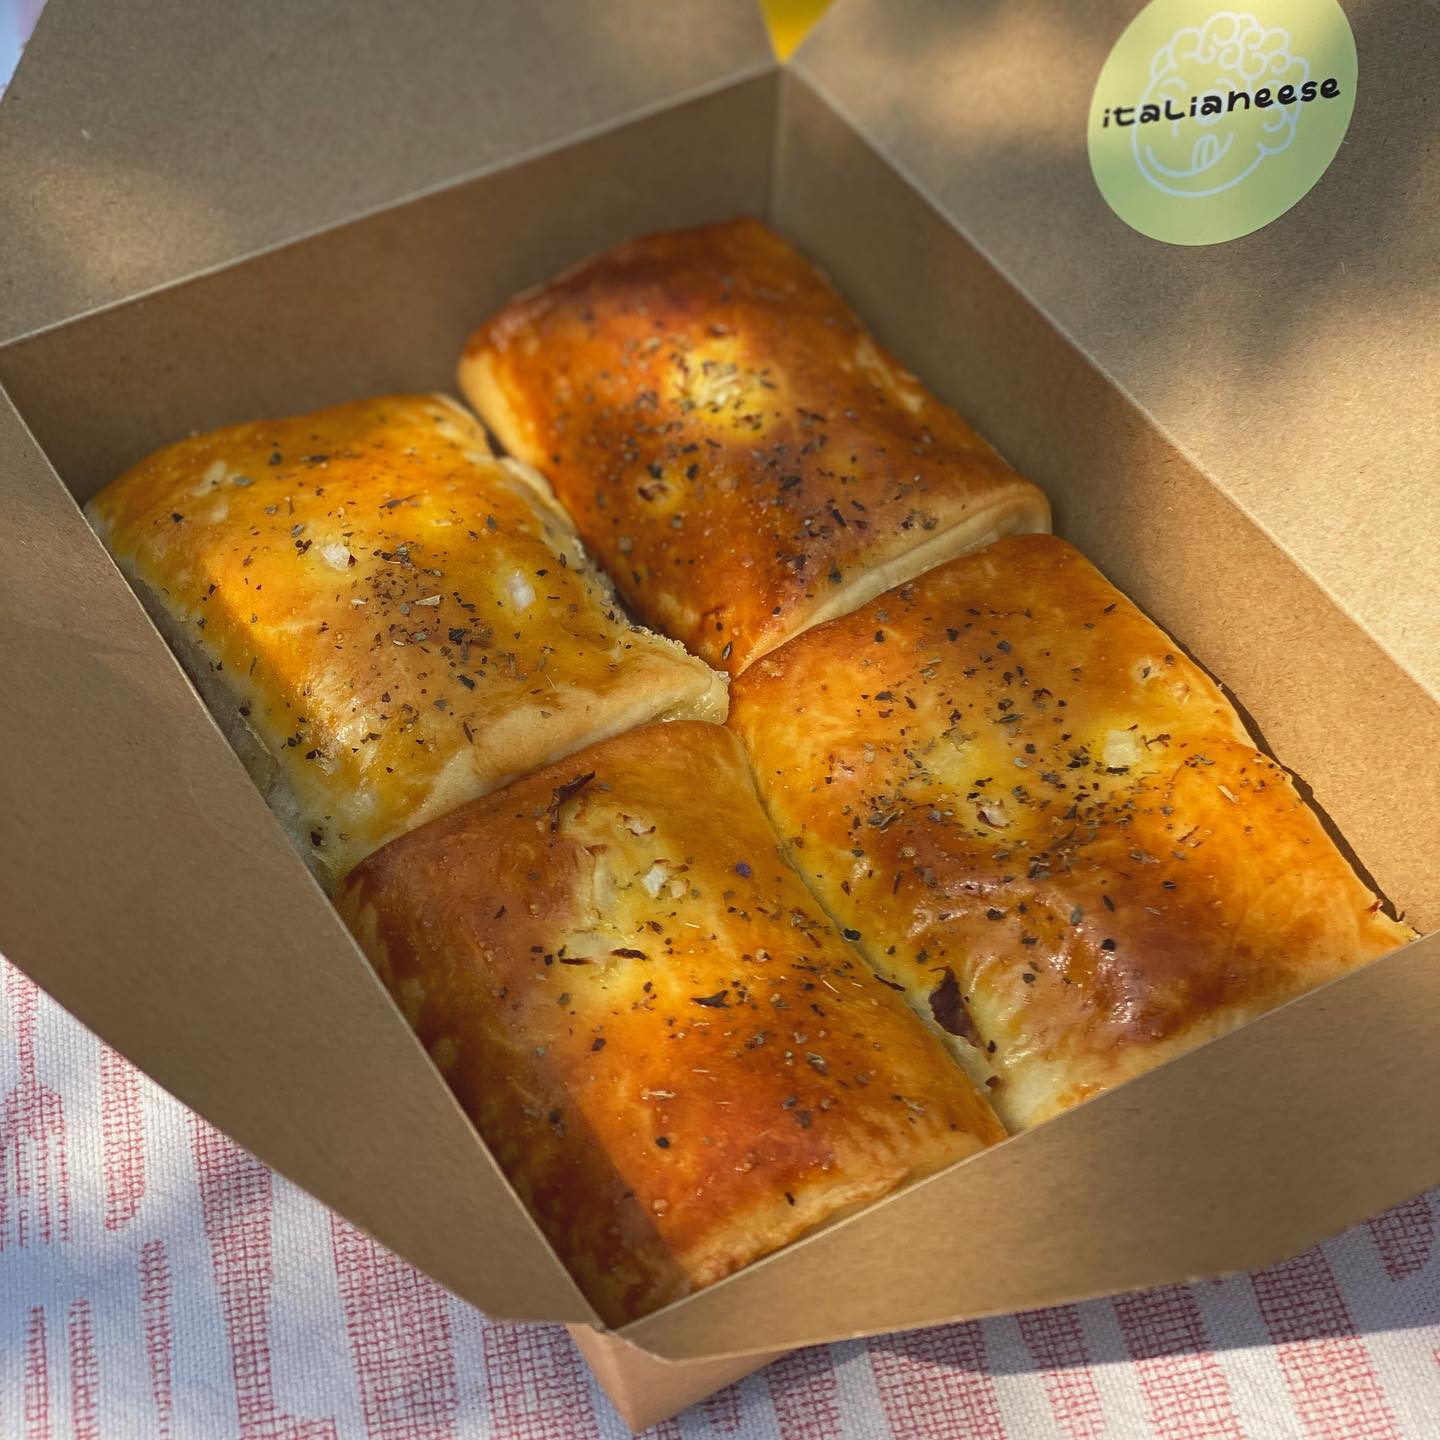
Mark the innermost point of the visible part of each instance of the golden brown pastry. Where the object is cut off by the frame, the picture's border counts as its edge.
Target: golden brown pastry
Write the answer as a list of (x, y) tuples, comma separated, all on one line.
[(672, 1054), (385, 619), (735, 448), (1047, 824)]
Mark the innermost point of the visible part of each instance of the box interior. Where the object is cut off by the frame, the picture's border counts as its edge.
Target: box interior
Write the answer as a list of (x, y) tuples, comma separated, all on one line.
[(1233, 1156)]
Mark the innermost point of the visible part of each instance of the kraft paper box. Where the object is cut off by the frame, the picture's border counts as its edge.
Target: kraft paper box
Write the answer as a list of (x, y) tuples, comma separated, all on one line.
[(211, 212)]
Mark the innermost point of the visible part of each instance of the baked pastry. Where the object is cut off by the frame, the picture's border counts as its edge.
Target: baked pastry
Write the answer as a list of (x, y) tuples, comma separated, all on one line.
[(385, 619), (735, 448), (1047, 824), (673, 1055)]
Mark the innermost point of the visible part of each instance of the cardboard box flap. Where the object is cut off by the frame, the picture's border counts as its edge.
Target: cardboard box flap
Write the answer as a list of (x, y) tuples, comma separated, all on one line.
[(1296, 364), (209, 957), (190, 135)]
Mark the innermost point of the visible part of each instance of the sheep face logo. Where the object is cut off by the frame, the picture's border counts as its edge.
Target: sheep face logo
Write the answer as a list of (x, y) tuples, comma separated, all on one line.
[(1207, 124), (1214, 151)]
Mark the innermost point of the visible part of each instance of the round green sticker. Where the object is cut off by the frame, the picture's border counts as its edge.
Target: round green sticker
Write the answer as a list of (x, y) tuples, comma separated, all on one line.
[(1207, 124)]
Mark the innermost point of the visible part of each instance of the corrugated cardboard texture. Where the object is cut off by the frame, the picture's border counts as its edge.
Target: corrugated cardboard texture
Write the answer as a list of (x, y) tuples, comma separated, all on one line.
[(140, 144), (146, 886), (1296, 365)]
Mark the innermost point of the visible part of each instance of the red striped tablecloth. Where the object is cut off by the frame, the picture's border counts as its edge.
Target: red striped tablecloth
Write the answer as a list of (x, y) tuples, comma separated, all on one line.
[(157, 1282)]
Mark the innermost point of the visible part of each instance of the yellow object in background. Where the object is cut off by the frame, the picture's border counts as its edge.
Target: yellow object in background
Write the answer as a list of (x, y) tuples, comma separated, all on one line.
[(790, 21)]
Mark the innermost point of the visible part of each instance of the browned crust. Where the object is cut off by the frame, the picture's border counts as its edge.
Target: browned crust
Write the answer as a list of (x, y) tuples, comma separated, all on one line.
[(347, 587), (676, 1082), (736, 449), (1050, 825)]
